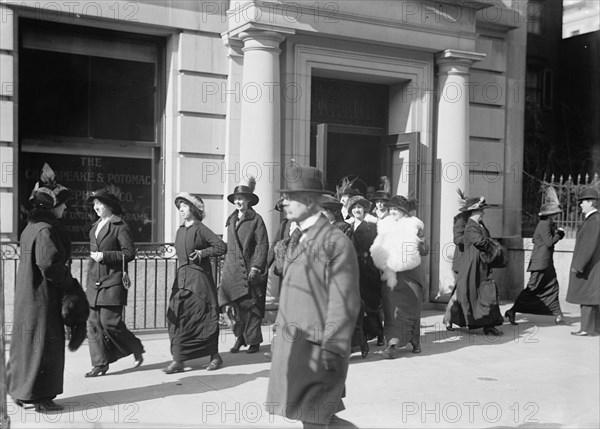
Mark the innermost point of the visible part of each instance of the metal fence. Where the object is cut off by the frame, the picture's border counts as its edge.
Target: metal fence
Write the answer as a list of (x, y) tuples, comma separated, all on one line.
[(152, 274), (567, 190)]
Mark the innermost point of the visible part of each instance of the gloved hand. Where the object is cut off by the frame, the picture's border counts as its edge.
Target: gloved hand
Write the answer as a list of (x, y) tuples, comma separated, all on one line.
[(254, 276), (561, 232), (331, 361)]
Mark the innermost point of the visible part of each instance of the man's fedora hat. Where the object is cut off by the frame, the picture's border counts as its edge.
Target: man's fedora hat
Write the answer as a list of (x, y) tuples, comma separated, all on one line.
[(107, 196), (589, 194), (303, 179), (247, 190)]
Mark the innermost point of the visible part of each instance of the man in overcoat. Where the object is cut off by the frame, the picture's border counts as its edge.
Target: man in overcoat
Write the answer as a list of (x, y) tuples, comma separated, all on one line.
[(318, 308), (584, 280)]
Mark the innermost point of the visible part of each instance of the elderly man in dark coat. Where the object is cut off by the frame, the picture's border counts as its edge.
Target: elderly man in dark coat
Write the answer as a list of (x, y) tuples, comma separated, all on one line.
[(584, 280), (318, 308), (244, 282)]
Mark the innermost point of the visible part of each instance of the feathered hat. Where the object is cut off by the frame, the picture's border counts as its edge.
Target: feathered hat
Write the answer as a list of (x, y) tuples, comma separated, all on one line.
[(383, 194), (551, 203), (108, 196), (471, 203), (194, 201), (247, 190), (345, 187), (46, 192)]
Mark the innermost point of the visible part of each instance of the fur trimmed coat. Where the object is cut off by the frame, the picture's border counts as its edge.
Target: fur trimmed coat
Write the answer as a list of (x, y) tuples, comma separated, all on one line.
[(398, 246)]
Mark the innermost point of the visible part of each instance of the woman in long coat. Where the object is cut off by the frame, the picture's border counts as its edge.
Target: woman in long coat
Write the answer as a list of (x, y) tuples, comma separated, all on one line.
[(397, 251), (111, 247), (193, 307), (540, 296), (363, 235), (476, 303), (36, 364), (244, 282)]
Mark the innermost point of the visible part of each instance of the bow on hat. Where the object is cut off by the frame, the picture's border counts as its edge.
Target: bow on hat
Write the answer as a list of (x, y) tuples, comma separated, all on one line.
[(46, 192)]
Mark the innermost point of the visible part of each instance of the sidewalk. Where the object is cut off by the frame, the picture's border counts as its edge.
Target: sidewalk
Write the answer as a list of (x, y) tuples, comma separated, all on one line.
[(536, 375)]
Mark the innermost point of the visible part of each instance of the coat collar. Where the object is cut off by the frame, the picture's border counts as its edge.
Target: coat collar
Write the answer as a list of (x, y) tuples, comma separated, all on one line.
[(113, 219), (249, 214)]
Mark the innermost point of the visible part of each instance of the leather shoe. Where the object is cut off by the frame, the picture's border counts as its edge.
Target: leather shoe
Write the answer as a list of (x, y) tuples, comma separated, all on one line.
[(582, 334), (492, 330), (364, 350), (96, 371), (236, 347), (380, 341), (174, 367), (138, 360), (416, 348), (43, 407), (215, 363), (449, 327), (560, 320), (253, 348), (510, 315)]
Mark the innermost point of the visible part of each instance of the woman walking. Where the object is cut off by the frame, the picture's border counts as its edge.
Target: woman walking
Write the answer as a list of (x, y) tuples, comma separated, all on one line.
[(244, 282), (476, 303), (397, 251), (111, 248), (35, 370), (363, 235), (541, 294), (193, 307)]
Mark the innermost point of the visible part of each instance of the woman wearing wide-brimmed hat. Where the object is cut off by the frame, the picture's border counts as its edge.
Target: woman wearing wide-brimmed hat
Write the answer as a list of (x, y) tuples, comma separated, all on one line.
[(111, 248), (476, 303), (35, 369), (244, 281), (380, 198), (397, 251), (332, 210), (193, 306), (363, 235), (540, 296)]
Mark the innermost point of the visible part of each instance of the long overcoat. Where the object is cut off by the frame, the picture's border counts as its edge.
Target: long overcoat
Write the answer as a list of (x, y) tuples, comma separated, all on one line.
[(318, 308), (247, 247), (458, 231), (193, 306), (584, 286), (37, 351), (105, 278), (544, 239), (477, 295)]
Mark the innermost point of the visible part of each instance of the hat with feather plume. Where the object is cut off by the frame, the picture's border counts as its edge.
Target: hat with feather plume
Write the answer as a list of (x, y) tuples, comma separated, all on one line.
[(551, 204), (247, 190), (46, 192), (471, 203), (346, 187), (109, 195), (404, 204), (383, 193)]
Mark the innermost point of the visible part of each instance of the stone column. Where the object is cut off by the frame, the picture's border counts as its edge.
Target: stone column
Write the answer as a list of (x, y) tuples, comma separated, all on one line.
[(451, 157), (260, 135)]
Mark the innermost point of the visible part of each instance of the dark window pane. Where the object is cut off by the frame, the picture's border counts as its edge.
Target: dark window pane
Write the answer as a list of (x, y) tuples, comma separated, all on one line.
[(54, 93), (122, 99)]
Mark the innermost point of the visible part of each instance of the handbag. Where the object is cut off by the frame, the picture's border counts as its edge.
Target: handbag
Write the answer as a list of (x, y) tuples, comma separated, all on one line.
[(126, 280)]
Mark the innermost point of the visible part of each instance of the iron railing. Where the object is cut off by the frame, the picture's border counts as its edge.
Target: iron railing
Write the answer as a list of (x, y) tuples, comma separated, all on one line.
[(567, 191), (152, 273)]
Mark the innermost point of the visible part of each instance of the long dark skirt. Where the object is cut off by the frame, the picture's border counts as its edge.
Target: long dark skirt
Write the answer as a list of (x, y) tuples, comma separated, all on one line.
[(359, 341), (193, 326), (541, 294), (402, 310)]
